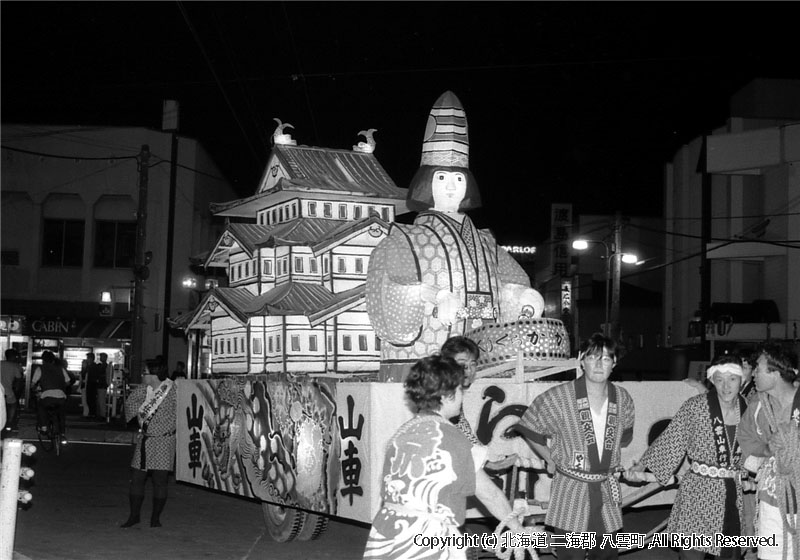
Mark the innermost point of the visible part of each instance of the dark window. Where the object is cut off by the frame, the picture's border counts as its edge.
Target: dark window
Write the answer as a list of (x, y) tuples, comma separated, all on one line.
[(295, 343), (312, 343), (327, 210), (62, 243), (357, 213), (114, 244), (347, 343), (362, 342)]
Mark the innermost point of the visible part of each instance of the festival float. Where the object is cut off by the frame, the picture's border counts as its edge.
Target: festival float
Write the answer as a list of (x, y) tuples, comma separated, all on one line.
[(329, 302)]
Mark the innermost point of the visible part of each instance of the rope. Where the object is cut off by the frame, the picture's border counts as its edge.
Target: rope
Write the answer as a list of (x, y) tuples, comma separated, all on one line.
[(518, 552)]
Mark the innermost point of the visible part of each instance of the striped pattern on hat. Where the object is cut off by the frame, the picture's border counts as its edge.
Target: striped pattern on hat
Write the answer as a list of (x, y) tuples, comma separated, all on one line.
[(446, 142)]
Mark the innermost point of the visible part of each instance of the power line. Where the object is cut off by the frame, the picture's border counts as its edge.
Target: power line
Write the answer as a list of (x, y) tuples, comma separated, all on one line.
[(57, 156), (219, 82)]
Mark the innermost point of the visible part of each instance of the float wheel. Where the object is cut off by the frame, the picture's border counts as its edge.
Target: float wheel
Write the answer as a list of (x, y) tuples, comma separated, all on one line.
[(313, 527), (283, 523)]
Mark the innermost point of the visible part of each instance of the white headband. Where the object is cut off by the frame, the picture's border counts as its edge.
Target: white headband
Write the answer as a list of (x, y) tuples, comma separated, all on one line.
[(725, 368)]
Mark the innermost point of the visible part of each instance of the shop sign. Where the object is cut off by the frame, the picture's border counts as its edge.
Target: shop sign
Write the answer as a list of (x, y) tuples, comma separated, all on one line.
[(48, 326)]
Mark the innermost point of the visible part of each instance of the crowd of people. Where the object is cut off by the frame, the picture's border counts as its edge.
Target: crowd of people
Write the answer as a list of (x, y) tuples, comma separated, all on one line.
[(735, 450)]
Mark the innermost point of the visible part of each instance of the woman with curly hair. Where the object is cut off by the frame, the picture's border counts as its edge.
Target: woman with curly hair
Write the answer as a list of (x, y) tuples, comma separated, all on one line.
[(429, 471)]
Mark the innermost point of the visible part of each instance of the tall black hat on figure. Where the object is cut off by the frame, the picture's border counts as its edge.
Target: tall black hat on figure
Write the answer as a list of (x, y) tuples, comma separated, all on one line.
[(444, 148)]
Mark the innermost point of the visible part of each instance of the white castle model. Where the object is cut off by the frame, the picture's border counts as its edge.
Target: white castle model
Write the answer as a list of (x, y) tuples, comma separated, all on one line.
[(297, 260)]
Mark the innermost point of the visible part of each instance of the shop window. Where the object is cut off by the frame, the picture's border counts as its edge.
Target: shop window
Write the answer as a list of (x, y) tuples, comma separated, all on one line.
[(343, 211), (257, 346), (312, 263), (312, 208), (359, 266), (347, 343), (362, 342), (295, 342), (342, 265), (312, 342), (114, 244), (267, 267), (62, 243), (298, 264), (357, 212), (327, 210)]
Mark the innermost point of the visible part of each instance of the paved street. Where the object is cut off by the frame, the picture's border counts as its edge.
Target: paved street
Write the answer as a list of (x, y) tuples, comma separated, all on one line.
[(80, 498)]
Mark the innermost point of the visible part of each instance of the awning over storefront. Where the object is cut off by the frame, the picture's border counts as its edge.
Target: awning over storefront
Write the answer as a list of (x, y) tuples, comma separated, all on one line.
[(73, 330)]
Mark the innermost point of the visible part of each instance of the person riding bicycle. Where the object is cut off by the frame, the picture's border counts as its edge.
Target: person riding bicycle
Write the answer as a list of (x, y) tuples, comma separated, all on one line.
[(54, 383)]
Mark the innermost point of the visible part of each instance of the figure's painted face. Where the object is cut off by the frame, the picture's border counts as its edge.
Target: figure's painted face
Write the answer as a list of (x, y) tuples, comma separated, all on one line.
[(449, 188)]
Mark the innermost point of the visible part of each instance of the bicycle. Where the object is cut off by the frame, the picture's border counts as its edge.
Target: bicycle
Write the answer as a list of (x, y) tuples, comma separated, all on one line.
[(51, 439)]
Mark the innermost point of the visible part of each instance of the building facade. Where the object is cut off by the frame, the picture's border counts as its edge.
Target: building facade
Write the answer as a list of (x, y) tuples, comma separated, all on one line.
[(70, 203), (751, 169)]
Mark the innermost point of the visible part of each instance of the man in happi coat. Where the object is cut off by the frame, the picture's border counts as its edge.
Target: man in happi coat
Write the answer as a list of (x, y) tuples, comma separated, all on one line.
[(154, 406), (704, 431), (770, 440), (579, 428), (441, 276)]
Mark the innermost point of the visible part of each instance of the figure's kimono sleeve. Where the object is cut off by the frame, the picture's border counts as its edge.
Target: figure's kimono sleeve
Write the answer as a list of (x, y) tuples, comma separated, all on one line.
[(394, 291), (666, 453), (509, 270), (753, 443)]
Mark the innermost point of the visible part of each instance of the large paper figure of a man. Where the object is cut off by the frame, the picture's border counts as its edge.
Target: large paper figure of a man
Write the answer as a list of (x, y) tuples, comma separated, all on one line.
[(441, 276)]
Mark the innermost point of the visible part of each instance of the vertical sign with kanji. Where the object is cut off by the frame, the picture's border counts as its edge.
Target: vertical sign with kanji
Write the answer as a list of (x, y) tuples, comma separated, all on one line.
[(560, 234)]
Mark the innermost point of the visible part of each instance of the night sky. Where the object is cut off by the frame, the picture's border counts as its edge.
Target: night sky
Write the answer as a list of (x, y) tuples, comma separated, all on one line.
[(566, 102)]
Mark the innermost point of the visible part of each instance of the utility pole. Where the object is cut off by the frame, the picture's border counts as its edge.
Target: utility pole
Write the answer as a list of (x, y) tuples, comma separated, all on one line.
[(170, 123), (140, 270), (616, 269)]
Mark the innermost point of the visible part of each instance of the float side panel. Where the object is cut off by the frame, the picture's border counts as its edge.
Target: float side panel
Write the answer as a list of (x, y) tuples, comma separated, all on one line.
[(266, 439)]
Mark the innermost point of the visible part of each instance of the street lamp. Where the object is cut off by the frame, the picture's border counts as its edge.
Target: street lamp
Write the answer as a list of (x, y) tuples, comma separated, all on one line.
[(611, 274)]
